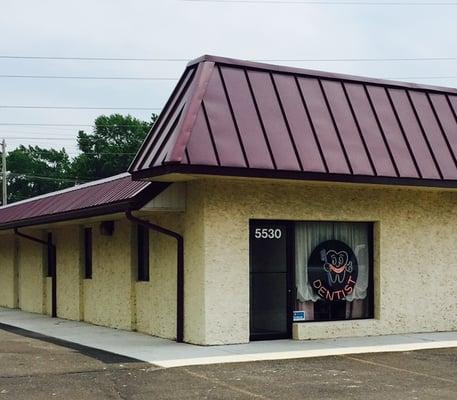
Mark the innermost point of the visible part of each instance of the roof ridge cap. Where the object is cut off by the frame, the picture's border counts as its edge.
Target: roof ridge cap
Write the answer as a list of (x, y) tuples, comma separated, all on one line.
[(320, 73)]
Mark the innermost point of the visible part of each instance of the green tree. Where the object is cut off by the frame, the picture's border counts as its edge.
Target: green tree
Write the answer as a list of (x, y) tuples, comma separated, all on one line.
[(34, 171), (110, 148)]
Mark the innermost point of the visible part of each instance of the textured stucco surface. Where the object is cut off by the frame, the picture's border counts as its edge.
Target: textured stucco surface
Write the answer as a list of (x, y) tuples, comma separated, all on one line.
[(194, 265), (156, 299), (8, 272), (32, 279), (108, 296), (69, 272), (414, 248)]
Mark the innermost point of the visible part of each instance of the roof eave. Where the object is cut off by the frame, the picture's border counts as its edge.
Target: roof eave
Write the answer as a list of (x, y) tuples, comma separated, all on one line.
[(292, 175), (131, 204)]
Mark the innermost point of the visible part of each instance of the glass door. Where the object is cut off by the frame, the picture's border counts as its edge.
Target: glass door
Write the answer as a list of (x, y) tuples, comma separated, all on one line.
[(269, 281)]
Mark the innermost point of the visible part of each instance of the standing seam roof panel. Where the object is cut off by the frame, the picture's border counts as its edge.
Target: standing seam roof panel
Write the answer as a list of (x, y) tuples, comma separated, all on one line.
[(323, 125), (340, 109), (78, 199), (414, 135), (302, 133), (228, 145), (447, 118), (242, 118), (201, 142), (255, 146), (435, 135), (273, 121), (370, 130), (393, 133), (175, 102)]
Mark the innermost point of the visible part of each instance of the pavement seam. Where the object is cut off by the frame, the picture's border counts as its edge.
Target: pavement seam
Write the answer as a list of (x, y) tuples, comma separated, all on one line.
[(226, 385), (399, 369)]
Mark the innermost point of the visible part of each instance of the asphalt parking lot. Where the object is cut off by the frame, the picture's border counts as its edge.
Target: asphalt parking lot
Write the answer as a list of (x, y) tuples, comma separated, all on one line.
[(37, 367)]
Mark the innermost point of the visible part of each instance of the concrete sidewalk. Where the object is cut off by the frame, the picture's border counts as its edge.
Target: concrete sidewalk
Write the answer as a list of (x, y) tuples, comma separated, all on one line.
[(167, 353)]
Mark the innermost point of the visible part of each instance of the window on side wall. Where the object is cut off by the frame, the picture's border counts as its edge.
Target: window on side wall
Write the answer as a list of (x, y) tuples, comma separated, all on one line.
[(333, 271), (143, 253), (50, 261), (88, 253)]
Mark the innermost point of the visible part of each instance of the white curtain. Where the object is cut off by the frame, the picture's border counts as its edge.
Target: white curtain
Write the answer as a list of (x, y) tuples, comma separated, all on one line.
[(309, 234)]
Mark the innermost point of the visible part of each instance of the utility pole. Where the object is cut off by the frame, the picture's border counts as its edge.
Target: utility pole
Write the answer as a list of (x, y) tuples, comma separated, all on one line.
[(4, 190)]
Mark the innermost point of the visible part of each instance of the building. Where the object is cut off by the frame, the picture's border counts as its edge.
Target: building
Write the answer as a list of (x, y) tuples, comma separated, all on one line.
[(266, 202)]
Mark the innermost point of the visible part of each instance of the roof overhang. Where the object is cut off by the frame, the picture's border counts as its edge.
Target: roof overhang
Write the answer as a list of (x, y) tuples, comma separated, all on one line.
[(177, 173), (240, 118), (135, 202)]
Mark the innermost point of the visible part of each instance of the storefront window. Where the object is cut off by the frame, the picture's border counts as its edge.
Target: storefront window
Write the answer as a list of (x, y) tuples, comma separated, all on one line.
[(308, 271), (333, 272)]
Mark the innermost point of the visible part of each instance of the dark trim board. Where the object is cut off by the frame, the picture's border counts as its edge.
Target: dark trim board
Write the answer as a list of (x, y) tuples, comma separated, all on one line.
[(290, 175)]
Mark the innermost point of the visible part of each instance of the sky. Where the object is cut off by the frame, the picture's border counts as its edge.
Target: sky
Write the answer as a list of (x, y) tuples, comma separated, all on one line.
[(183, 30)]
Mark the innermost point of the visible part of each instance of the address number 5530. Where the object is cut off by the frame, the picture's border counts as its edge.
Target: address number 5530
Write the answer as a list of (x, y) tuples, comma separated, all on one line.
[(267, 233)]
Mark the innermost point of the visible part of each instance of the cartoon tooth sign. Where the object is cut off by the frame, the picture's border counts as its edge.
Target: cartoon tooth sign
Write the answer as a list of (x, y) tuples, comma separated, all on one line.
[(332, 270)]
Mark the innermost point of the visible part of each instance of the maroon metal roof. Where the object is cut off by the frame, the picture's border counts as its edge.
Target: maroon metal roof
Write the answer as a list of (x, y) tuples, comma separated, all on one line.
[(242, 118), (105, 196)]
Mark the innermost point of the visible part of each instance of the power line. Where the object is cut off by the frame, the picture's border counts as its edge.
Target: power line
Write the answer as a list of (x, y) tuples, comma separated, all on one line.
[(391, 59), (48, 178), (328, 3), (39, 138), (72, 125), (364, 59), (175, 79), (79, 108), (118, 78), (20, 57)]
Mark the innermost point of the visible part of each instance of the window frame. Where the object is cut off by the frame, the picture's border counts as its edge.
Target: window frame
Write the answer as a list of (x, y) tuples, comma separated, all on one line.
[(143, 254), (88, 254), (50, 259), (371, 266)]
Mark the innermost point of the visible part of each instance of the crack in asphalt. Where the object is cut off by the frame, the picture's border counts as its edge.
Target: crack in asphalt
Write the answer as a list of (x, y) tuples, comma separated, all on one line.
[(226, 385), (399, 369)]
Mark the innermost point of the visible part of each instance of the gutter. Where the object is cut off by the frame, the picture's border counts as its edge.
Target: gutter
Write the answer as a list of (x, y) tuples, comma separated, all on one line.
[(51, 246), (179, 270)]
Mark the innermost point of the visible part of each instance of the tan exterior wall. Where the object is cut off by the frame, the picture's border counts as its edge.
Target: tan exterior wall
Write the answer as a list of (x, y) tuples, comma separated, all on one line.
[(194, 265), (69, 272), (32, 278), (8, 272), (109, 296), (156, 299), (415, 238)]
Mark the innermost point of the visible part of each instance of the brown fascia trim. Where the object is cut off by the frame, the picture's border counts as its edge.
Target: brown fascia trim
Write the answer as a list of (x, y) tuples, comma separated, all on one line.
[(179, 269), (131, 204), (291, 175)]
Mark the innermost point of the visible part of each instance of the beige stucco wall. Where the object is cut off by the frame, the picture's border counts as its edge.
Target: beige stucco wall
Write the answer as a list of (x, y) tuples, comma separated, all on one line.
[(8, 272), (415, 244), (32, 279), (156, 299), (194, 265), (108, 296), (69, 272)]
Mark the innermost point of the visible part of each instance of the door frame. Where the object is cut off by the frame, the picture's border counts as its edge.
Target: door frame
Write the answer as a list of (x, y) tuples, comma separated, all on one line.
[(290, 278)]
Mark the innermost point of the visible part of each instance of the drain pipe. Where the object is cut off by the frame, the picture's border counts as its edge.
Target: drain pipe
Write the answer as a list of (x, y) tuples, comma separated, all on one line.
[(51, 246), (179, 270)]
